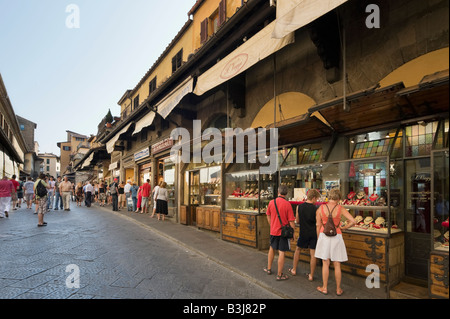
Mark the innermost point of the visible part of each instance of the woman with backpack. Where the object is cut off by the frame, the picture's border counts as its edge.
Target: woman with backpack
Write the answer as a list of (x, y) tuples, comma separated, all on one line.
[(330, 243)]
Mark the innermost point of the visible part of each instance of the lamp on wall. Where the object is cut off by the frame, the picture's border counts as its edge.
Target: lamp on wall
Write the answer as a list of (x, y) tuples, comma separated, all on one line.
[(366, 138)]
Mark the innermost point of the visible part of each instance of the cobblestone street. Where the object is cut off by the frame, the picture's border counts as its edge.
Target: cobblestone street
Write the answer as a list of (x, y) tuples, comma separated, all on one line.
[(116, 258)]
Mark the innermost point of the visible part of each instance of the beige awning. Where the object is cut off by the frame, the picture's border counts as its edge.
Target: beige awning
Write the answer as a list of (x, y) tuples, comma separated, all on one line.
[(112, 142), (294, 14), (173, 99), (88, 161), (258, 47), (147, 120)]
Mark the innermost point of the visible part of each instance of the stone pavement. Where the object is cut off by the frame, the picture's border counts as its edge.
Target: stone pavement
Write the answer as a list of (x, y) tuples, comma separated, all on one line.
[(249, 262), (33, 261)]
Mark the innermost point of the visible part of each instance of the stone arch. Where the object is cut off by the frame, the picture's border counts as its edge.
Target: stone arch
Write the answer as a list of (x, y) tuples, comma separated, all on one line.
[(292, 104), (412, 72)]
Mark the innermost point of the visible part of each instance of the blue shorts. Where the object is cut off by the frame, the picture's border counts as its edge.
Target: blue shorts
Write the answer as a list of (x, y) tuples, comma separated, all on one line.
[(280, 243)]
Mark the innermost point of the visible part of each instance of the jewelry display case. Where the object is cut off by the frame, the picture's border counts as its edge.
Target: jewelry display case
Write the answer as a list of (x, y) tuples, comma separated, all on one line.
[(247, 195)]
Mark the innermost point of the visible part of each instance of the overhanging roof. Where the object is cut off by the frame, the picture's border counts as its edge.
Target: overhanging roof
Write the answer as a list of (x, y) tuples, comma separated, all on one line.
[(388, 106)]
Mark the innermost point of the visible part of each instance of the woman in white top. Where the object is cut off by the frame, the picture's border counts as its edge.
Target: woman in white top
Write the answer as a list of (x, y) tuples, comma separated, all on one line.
[(155, 191), (161, 196)]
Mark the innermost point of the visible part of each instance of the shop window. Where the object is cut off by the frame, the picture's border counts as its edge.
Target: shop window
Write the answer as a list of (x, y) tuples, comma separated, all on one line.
[(288, 156), (309, 154), (419, 139), (380, 143), (441, 137)]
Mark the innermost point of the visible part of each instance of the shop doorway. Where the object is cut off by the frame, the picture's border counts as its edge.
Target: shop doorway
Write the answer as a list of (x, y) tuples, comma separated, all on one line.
[(418, 218)]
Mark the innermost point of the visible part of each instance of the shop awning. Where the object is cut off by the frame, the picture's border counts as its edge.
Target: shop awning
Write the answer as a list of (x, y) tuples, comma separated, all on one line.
[(303, 128), (146, 121), (294, 14), (429, 97), (173, 98), (258, 47), (88, 161), (112, 142)]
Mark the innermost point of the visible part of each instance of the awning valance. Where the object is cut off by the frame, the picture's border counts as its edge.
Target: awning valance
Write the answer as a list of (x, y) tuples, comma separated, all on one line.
[(294, 14), (112, 142), (88, 161), (258, 47), (146, 121), (173, 99)]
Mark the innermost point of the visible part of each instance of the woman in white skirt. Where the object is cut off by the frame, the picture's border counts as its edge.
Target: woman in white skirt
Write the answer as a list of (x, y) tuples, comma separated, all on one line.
[(332, 248)]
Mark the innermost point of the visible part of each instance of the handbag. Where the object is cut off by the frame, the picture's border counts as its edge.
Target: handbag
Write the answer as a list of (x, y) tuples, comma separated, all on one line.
[(286, 231), (329, 229)]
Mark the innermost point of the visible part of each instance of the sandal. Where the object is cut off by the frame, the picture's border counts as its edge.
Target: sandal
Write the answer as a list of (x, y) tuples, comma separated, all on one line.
[(267, 271), (322, 290), (282, 277), (310, 279), (340, 294), (290, 270)]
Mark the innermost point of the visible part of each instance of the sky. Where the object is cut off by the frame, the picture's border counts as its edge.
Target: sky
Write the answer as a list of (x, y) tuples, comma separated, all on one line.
[(64, 78)]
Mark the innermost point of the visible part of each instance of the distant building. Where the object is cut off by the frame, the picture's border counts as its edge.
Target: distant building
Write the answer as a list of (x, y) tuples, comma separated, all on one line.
[(50, 164), (32, 162), (72, 150)]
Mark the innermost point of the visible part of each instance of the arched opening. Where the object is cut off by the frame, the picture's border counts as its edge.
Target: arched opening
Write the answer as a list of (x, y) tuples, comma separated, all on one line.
[(288, 105)]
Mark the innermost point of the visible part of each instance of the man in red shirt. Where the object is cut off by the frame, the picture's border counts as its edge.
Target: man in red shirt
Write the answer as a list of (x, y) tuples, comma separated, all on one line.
[(6, 189), (276, 241), (146, 189)]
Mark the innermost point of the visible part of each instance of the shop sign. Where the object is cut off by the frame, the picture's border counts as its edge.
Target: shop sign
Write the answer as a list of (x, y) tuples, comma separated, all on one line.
[(162, 146), (142, 154), (113, 166)]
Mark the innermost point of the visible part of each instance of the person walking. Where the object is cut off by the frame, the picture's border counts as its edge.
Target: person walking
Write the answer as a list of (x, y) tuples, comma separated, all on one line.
[(114, 189), (134, 195), (127, 190), (41, 198), (29, 192), (20, 192), (101, 193), (278, 243), (146, 190), (51, 192), (58, 197), (14, 193), (79, 193), (65, 189), (332, 248), (89, 192), (155, 190), (161, 198), (6, 190), (139, 199), (122, 199), (306, 218)]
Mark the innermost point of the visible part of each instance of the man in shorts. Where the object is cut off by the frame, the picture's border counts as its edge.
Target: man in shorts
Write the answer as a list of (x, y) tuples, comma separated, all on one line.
[(29, 192), (276, 241), (146, 190), (306, 218)]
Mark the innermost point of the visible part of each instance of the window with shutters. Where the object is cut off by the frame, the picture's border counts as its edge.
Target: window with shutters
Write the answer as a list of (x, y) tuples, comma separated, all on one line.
[(136, 102), (152, 86), (177, 61), (204, 31), (222, 12)]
